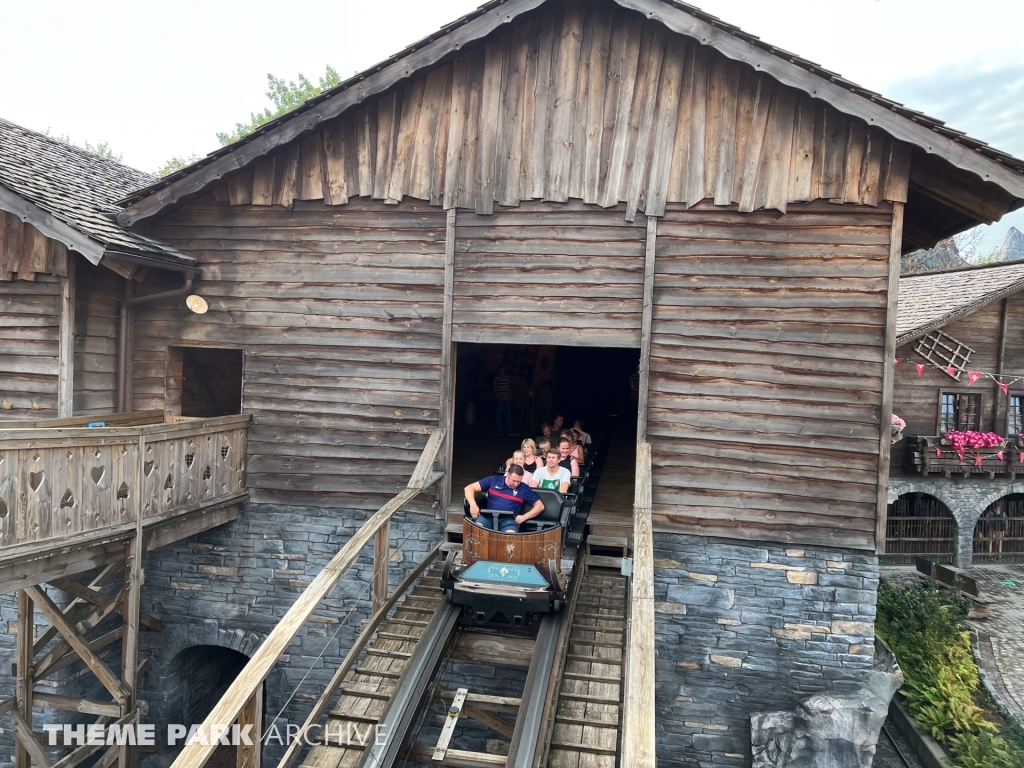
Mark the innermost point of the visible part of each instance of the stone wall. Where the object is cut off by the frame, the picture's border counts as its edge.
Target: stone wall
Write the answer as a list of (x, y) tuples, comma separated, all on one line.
[(743, 628), (966, 497)]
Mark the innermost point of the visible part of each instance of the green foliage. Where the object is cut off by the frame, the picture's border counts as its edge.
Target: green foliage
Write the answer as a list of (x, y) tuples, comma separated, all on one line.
[(285, 96), (175, 164), (101, 148), (925, 627)]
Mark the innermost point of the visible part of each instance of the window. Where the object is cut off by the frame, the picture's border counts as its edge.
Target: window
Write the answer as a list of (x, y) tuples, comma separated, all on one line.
[(1015, 418), (959, 412)]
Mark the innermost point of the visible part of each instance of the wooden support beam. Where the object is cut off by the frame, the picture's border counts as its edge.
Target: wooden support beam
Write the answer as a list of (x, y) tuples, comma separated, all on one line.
[(78, 643), (638, 720), (381, 556), (448, 729), (69, 704), (27, 741), (1002, 402), (66, 342), (98, 581), (50, 665), (645, 328), (446, 412), (83, 628), (489, 703), (888, 375), (250, 755), (482, 648), (458, 758), (96, 597), (262, 662), (136, 552), (24, 682), (497, 724)]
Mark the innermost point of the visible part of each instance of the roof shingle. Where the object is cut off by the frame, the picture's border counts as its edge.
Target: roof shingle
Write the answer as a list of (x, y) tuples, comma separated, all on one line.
[(77, 187)]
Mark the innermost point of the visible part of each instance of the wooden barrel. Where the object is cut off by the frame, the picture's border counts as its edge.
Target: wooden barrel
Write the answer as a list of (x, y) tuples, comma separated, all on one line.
[(479, 543)]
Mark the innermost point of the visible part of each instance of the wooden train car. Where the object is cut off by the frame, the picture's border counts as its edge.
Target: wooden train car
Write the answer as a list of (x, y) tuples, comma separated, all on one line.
[(513, 577)]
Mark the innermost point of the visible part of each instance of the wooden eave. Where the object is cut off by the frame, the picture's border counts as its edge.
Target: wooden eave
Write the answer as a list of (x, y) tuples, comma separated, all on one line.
[(51, 226), (1002, 187)]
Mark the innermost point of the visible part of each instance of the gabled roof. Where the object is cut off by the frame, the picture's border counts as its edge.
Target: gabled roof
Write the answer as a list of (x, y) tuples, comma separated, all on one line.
[(928, 135), (932, 300), (70, 195)]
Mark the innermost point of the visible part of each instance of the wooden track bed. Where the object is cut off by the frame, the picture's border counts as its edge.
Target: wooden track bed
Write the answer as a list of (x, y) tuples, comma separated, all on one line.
[(587, 720), (368, 688)]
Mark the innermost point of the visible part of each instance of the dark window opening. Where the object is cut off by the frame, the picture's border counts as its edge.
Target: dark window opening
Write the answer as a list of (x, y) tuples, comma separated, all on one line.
[(960, 412), (211, 382), (919, 524)]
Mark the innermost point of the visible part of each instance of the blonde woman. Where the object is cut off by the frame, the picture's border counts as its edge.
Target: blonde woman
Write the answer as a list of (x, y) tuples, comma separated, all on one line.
[(531, 461), (518, 459), (543, 446)]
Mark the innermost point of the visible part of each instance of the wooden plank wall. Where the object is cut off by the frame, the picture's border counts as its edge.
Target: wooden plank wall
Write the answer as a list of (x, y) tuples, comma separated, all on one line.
[(549, 273), (586, 100), (29, 325), (766, 372), (31, 266), (916, 398), (339, 312), (99, 293)]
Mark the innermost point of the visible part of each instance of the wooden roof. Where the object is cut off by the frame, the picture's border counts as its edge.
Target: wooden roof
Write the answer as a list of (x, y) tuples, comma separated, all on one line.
[(69, 194), (956, 181), (932, 300)]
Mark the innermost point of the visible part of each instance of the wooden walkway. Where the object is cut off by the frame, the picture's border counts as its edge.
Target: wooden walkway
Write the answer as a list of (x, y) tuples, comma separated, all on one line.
[(370, 684), (611, 511), (588, 717)]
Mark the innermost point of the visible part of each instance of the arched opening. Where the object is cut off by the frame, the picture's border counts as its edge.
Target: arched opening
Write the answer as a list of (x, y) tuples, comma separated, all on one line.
[(919, 524), (204, 673), (999, 532)]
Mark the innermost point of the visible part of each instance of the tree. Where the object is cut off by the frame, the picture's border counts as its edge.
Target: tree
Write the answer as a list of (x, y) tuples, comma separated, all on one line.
[(101, 148), (175, 164), (285, 96)]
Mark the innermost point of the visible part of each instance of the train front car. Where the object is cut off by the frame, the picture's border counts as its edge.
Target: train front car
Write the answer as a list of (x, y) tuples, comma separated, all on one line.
[(512, 577)]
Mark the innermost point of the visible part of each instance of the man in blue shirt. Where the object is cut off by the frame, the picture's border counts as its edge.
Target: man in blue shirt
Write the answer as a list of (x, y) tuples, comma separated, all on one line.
[(508, 494)]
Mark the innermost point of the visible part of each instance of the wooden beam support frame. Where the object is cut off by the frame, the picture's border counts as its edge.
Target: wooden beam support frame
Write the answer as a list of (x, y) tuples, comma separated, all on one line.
[(638, 718), (888, 377), (66, 343), (81, 647), (446, 413), (226, 710), (24, 682), (645, 329), (381, 555)]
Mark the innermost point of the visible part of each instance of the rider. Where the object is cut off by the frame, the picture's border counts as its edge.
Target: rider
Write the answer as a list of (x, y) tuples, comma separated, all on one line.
[(506, 494)]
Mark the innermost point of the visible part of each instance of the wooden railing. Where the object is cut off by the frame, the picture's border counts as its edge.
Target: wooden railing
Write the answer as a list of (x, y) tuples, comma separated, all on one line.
[(921, 456), (250, 679), (79, 483), (638, 720)]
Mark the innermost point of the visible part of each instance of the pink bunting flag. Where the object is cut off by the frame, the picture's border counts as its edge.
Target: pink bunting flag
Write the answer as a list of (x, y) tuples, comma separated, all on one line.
[(951, 371), (960, 456), (1022, 457), (938, 453), (1004, 387), (897, 361), (977, 460), (999, 455), (972, 376), (920, 368)]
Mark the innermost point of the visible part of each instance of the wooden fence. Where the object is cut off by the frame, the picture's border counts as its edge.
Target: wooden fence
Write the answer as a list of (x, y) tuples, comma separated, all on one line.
[(74, 482), (918, 524)]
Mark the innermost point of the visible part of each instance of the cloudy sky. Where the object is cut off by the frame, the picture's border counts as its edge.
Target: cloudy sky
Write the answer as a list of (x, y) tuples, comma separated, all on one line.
[(160, 79)]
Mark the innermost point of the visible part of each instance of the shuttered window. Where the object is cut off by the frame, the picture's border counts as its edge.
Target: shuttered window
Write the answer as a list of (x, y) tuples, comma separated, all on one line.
[(959, 412)]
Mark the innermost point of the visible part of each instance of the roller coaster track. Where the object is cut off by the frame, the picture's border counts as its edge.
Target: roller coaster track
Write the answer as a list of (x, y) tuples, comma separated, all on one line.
[(569, 712)]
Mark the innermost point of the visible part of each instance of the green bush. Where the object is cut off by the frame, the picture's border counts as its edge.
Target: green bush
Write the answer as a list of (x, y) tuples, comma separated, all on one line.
[(924, 625)]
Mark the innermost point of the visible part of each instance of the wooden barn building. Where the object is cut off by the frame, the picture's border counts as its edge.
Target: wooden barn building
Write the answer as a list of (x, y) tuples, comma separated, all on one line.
[(577, 191), (960, 369)]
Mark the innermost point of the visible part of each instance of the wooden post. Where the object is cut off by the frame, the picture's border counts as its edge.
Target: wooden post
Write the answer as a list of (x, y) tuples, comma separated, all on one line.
[(251, 755), (24, 683), (133, 606), (1001, 401), (381, 553), (638, 720), (66, 345), (446, 413), (645, 332), (888, 374)]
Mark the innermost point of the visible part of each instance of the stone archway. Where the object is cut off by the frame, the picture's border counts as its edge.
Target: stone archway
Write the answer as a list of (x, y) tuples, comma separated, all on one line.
[(921, 523), (998, 533)]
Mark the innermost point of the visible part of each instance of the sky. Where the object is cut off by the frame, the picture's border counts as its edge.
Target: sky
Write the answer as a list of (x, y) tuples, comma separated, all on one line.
[(159, 79)]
